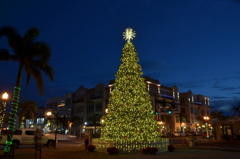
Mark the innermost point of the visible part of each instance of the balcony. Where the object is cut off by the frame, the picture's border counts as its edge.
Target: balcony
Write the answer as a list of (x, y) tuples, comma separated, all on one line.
[(78, 100), (198, 103), (166, 97), (96, 98)]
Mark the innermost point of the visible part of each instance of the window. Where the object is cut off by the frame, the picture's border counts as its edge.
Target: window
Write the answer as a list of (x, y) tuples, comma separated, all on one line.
[(40, 120), (29, 132), (183, 110), (191, 110), (89, 118), (81, 109), (16, 132), (176, 107), (182, 100), (55, 104), (99, 107), (202, 112), (29, 121), (177, 119), (184, 119), (90, 108), (193, 120)]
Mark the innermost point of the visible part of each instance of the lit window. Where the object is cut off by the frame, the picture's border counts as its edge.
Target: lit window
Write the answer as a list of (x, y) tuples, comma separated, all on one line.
[(40, 120)]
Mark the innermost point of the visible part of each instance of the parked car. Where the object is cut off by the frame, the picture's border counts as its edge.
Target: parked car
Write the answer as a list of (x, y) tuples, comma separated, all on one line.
[(26, 137), (179, 133), (188, 133), (199, 133), (167, 135)]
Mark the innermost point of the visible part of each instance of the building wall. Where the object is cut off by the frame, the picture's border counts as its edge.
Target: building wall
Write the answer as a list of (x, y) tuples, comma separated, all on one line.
[(169, 105)]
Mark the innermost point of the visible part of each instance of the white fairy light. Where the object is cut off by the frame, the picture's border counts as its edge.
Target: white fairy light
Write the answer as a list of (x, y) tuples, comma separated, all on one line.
[(129, 34)]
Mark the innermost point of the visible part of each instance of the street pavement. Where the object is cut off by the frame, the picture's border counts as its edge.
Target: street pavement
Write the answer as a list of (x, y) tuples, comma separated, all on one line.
[(204, 148)]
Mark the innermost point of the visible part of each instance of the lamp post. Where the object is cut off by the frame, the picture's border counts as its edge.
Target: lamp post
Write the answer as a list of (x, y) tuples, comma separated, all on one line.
[(56, 119), (206, 118), (160, 123), (3, 109)]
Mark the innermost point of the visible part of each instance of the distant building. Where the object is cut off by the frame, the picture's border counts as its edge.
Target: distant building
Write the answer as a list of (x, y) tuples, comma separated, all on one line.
[(193, 109)]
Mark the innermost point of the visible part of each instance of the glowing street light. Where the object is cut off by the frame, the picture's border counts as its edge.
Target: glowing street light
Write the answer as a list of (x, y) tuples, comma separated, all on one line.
[(49, 113), (5, 96), (160, 123)]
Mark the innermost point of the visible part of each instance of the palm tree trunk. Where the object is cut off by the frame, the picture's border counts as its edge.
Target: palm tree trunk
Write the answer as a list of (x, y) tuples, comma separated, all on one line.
[(13, 113)]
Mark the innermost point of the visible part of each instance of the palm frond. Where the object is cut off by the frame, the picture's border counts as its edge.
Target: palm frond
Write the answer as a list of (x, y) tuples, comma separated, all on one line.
[(14, 38), (40, 50), (37, 75), (31, 35), (30, 115), (45, 67), (22, 114), (31, 105), (24, 99)]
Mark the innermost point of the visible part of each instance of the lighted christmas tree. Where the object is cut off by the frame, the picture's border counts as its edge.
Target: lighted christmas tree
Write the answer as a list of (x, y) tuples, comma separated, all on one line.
[(130, 114)]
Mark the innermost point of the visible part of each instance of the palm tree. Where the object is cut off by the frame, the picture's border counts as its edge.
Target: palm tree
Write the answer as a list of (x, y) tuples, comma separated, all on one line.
[(236, 110), (78, 121), (28, 111), (226, 118), (216, 114), (33, 57)]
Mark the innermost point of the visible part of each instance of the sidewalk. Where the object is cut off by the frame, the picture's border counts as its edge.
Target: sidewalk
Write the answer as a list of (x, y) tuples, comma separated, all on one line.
[(204, 149), (212, 144)]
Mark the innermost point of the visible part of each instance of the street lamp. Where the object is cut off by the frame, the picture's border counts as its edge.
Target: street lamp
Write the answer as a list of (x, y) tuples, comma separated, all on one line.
[(206, 118), (3, 109), (160, 123), (56, 119)]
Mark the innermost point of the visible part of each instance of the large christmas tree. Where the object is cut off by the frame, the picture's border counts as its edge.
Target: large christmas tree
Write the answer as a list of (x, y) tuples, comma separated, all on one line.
[(130, 115)]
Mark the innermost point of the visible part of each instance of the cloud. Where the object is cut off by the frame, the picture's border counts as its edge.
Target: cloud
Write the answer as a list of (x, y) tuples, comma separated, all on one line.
[(238, 93), (187, 85), (224, 108), (225, 104), (218, 97), (217, 85)]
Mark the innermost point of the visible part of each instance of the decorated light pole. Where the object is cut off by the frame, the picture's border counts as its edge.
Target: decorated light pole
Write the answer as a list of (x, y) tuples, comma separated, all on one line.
[(206, 118), (160, 123), (3, 109), (49, 114)]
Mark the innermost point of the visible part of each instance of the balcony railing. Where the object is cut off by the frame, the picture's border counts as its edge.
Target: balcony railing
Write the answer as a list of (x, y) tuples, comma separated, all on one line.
[(167, 96), (78, 100), (198, 103)]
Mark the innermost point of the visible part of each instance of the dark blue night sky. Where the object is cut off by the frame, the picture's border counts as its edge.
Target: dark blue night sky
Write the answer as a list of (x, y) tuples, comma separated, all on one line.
[(194, 45)]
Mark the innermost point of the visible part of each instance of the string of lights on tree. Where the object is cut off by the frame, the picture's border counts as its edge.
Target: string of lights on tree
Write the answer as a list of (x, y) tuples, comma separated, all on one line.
[(130, 117), (12, 118)]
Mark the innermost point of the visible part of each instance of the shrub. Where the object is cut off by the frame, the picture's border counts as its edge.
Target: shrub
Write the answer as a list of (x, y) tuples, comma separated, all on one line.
[(171, 148), (112, 150), (91, 148), (150, 150)]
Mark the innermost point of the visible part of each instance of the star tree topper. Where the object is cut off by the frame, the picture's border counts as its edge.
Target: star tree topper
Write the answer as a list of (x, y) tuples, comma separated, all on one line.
[(129, 34)]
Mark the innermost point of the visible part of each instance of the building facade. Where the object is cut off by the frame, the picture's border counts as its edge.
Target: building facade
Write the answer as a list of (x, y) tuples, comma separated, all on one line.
[(174, 111)]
